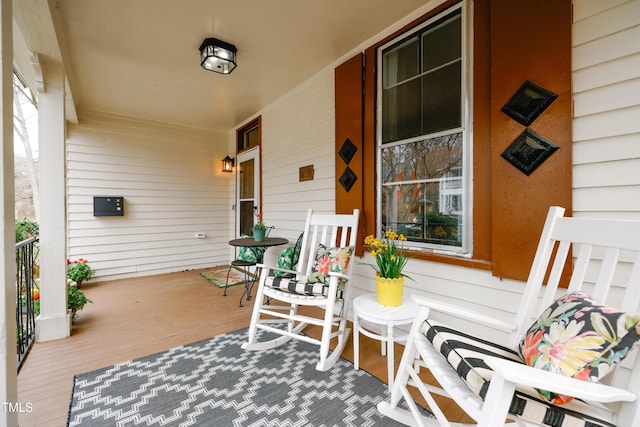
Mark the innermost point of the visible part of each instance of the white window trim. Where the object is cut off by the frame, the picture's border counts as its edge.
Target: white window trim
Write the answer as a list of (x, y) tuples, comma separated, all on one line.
[(466, 250)]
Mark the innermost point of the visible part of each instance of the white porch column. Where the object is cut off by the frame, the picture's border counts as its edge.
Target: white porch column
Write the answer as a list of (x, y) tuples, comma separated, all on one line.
[(54, 322), (8, 372)]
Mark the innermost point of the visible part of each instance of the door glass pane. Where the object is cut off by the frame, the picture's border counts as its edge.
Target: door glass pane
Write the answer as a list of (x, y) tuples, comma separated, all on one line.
[(247, 196), (246, 179), (246, 217)]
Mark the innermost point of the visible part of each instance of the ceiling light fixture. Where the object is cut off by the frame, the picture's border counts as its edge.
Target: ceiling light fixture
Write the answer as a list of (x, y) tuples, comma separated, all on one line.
[(218, 56)]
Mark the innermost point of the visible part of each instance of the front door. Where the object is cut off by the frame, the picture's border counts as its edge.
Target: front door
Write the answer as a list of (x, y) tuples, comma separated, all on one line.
[(247, 190)]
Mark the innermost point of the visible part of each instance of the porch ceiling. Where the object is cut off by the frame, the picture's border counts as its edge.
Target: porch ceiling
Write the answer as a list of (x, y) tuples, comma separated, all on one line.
[(140, 58)]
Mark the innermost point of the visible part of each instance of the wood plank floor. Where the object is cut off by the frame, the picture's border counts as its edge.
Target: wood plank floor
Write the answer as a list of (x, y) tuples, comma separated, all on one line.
[(135, 317)]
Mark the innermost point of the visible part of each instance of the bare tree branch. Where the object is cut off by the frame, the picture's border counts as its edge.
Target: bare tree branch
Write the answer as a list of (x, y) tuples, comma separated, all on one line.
[(20, 126)]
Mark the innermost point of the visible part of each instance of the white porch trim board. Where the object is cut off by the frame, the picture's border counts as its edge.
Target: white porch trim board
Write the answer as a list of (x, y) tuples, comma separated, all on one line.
[(8, 356), (54, 322)]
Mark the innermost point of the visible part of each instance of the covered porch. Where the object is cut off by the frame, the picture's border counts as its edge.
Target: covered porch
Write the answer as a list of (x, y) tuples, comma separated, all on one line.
[(148, 295)]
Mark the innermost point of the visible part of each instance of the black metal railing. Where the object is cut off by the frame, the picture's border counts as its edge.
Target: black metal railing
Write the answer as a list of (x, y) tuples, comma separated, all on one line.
[(27, 295)]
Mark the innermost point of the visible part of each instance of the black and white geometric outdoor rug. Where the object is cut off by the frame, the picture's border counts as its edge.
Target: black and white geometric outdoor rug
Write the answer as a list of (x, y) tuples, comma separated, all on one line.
[(215, 382)]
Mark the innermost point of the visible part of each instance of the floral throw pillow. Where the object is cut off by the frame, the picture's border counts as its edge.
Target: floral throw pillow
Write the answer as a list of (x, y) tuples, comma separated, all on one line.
[(579, 337), (329, 259)]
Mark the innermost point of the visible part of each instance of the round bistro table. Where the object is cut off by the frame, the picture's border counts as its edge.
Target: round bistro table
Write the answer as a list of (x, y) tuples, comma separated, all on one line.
[(258, 248)]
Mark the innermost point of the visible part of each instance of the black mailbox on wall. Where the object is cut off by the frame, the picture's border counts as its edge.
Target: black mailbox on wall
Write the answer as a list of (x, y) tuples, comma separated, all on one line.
[(108, 206)]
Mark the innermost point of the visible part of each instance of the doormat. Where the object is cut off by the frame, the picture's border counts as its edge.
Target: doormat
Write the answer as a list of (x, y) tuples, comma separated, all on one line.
[(218, 276)]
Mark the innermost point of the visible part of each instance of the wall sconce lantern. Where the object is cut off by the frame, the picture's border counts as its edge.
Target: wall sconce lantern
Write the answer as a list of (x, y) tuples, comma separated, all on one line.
[(227, 164), (218, 56)]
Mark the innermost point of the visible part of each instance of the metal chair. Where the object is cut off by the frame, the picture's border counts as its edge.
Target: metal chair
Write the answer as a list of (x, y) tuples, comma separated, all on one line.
[(320, 280), (247, 257), (535, 376)]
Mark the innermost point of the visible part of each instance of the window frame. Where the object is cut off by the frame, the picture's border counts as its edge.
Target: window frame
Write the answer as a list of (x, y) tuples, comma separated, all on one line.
[(254, 151), (466, 110), (243, 132)]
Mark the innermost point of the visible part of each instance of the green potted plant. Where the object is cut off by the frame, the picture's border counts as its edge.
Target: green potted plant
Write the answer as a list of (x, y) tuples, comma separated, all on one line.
[(79, 271), (76, 300), (259, 229)]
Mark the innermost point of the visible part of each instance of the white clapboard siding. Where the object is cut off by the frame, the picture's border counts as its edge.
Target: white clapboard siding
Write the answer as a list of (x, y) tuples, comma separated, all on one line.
[(604, 174), (172, 187), (619, 147), (298, 130), (608, 201), (615, 96), (606, 99), (607, 124), (616, 45), (619, 14), (606, 73), (606, 129)]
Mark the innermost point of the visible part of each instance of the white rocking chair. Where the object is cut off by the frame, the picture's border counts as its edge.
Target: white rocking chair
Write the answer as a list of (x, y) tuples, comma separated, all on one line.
[(492, 384), (329, 239)]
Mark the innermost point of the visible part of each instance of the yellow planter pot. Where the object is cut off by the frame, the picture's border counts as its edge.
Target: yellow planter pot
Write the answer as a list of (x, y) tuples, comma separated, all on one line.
[(389, 291)]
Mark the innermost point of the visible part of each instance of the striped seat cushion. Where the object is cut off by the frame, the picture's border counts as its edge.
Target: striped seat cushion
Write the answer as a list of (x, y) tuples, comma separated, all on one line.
[(466, 353), (301, 287)]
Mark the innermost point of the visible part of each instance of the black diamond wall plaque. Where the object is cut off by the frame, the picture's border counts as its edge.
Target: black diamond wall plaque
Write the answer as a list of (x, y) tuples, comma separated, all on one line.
[(347, 151), (528, 151), (529, 101), (347, 179)]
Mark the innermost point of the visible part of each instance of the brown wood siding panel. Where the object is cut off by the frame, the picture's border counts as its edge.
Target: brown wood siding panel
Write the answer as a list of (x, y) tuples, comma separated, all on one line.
[(349, 116), (529, 41), (481, 132), (368, 218)]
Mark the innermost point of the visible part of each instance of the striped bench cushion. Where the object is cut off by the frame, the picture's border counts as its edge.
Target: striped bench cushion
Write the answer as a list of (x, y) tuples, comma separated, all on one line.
[(465, 354), (301, 287)]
